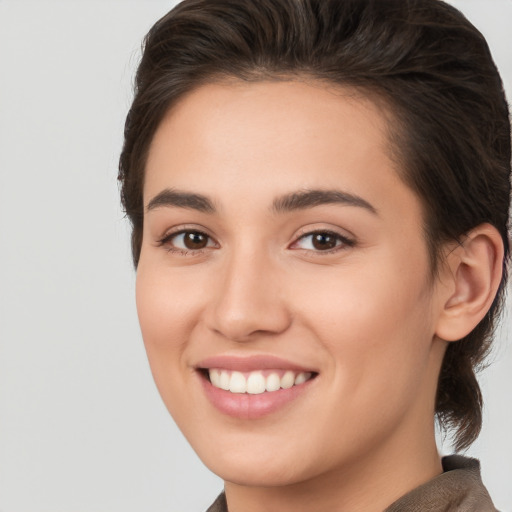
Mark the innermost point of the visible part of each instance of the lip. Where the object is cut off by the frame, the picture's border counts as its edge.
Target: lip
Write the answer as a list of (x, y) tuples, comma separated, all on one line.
[(251, 363), (244, 405)]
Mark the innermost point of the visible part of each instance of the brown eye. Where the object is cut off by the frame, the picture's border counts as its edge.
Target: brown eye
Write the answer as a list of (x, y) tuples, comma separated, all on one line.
[(195, 240), (324, 241), (187, 241)]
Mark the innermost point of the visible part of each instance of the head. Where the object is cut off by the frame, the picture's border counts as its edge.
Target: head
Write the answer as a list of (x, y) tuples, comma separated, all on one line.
[(418, 66)]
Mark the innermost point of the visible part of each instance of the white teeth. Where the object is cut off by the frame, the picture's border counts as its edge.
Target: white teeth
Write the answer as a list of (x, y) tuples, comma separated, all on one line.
[(273, 382), (287, 380), (224, 381), (302, 377), (237, 383), (215, 377), (255, 383)]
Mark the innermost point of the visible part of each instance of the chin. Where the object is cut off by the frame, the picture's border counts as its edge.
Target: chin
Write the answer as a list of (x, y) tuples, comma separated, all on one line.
[(258, 475), (258, 462)]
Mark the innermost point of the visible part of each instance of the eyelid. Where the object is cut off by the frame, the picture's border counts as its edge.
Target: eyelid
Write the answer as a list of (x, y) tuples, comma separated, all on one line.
[(179, 230), (175, 230), (346, 241)]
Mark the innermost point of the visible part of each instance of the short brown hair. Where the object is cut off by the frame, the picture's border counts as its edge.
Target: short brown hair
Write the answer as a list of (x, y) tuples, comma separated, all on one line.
[(432, 67)]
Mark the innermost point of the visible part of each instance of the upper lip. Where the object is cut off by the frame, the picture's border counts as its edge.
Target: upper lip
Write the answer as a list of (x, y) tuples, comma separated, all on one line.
[(250, 363)]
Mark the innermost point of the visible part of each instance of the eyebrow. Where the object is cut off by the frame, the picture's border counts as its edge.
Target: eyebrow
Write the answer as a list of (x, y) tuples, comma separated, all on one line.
[(179, 199), (300, 200), (304, 199)]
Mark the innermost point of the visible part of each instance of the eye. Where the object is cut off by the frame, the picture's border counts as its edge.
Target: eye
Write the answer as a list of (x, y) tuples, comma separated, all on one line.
[(323, 241), (187, 240)]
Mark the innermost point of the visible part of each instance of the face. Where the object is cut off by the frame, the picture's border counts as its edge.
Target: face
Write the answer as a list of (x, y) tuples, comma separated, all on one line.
[(284, 289)]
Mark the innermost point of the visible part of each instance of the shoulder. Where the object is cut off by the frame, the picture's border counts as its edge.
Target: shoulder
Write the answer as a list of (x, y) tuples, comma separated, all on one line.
[(458, 488), (219, 505)]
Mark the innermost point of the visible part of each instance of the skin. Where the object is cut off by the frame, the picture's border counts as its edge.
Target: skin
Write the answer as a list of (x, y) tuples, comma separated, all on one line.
[(365, 317)]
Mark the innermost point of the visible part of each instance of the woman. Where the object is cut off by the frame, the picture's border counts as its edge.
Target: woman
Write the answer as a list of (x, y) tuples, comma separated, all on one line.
[(319, 195)]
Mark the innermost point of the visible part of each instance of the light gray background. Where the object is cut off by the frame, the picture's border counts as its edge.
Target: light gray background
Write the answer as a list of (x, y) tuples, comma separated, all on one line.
[(82, 428)]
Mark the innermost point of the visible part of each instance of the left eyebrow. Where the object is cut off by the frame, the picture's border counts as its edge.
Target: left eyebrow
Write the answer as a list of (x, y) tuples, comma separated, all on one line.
[(304, 199)]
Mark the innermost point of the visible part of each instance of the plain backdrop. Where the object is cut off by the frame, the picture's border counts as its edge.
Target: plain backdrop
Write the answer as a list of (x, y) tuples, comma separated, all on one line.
[(82, 428)]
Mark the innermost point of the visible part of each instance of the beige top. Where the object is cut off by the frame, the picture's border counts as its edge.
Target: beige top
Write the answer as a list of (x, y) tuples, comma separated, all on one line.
[(458, 489)]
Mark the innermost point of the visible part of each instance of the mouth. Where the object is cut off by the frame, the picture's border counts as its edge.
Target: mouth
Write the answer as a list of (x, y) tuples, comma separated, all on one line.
[(255, 382), (253, 387)]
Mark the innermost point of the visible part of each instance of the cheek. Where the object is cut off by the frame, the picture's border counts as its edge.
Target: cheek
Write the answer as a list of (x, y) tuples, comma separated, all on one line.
[(165, 308), (373, 321), (166, 301)]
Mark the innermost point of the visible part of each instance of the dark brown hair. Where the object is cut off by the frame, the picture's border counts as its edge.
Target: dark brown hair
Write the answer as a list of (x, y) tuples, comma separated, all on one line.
[(450, 127)]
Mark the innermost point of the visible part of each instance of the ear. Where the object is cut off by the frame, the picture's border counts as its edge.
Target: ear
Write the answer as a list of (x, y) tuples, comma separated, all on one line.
[(470, 279)]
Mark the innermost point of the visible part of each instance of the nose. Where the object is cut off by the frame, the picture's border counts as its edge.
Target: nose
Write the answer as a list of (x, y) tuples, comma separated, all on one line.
[(248, 300)]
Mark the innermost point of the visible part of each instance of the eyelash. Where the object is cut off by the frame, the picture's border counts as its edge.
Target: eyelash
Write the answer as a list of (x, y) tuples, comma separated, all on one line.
[(165, 241), (345, 242)]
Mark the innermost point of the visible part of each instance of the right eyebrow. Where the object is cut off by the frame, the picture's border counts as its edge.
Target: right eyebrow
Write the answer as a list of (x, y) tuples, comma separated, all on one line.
[(179, 199)]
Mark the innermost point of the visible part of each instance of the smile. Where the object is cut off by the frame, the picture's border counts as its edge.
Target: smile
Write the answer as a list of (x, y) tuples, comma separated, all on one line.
[(254, 387), (256, 382)]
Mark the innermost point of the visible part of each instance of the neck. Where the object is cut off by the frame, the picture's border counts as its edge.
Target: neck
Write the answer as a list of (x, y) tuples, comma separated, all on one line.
[(370, 484)]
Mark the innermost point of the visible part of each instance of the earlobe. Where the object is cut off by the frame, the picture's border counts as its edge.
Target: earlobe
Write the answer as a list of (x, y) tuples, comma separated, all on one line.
[(474, 269)]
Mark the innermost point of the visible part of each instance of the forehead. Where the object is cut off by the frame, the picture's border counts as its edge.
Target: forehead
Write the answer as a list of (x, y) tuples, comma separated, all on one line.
[(257, 140), (305, 109)]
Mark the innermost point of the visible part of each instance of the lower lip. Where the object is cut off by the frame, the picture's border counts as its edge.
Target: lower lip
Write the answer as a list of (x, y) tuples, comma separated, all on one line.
[(248, 406)]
